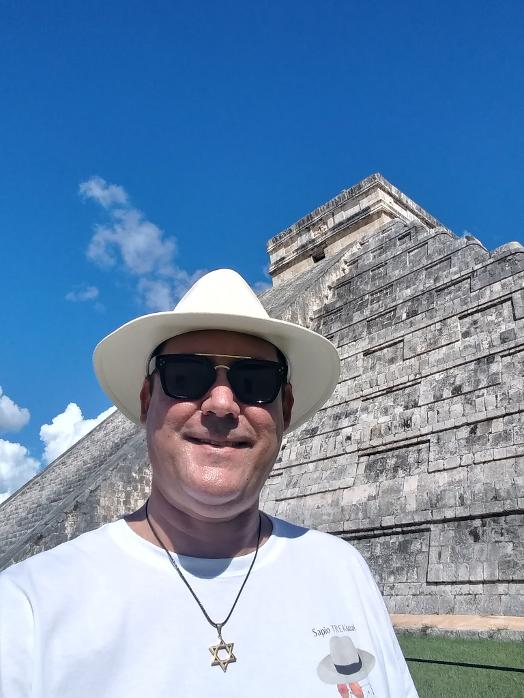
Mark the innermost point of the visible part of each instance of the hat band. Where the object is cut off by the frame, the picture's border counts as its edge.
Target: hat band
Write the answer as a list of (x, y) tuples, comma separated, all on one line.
[(348, 669)]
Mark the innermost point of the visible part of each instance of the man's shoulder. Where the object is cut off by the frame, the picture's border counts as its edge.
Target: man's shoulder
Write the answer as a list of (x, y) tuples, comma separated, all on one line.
[(331, 545), (61, 557)]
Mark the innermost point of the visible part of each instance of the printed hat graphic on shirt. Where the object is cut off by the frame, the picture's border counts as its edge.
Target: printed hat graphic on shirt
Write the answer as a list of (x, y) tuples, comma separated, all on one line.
[(344, 663)]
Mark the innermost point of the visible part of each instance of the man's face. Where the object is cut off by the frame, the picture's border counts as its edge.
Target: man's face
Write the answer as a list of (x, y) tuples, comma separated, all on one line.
[(210, 457)]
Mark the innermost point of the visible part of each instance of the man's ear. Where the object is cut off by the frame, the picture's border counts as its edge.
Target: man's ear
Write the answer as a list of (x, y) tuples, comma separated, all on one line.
[(145, 398), (287, 404)]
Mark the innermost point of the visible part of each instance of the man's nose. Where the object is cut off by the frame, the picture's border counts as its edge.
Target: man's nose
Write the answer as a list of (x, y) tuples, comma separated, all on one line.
[(220, 399)]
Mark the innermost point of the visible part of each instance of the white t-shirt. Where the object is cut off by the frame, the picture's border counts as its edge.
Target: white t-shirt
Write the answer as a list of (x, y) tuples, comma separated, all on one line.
[(106, 616)]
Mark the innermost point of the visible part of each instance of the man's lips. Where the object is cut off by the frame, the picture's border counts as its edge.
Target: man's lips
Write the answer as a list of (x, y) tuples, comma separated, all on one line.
[(219, 443)]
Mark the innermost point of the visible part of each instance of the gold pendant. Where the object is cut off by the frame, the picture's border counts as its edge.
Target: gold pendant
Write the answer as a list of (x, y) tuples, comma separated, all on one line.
[(222, 647)]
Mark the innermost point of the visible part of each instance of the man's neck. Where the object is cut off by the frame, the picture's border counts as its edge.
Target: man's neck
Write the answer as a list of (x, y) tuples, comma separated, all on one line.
[(209, 538)]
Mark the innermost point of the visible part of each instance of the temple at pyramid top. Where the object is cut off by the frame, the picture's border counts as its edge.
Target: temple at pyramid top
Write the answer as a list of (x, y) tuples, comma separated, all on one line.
[(355, 212)]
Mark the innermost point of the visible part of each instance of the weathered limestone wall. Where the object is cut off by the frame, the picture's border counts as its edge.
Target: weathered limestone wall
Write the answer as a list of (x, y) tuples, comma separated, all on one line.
[(100, 478), (418, 458)]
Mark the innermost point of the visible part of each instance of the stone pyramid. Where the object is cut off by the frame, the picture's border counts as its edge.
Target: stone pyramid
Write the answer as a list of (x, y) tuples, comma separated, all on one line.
[(418, 457)]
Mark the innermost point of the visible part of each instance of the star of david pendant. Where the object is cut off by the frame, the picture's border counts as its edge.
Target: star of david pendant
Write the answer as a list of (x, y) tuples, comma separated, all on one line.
[(223, 663)]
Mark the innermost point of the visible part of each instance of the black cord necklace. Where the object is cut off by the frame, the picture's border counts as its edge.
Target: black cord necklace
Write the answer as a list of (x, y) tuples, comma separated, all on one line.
[(221, 645)]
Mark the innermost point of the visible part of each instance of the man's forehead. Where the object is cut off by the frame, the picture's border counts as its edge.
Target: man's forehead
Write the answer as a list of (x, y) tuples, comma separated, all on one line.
[(220, 342)]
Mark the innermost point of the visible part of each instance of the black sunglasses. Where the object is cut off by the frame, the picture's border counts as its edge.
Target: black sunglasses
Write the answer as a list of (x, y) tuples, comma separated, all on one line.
[(190, 376)]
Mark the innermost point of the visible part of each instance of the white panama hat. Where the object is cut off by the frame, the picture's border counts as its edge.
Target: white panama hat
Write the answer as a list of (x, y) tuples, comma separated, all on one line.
[(345, 663), (220, 300)]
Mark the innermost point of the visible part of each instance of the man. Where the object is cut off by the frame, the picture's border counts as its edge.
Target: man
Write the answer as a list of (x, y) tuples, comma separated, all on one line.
[(198, 593)]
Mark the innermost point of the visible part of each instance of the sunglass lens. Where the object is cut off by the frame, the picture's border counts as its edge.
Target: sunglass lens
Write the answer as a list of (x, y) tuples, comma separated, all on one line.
[(255, 383), (187, 377)]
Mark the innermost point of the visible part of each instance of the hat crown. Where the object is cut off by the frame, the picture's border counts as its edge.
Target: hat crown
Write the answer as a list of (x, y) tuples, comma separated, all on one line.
[(222, 291), (342, 650)]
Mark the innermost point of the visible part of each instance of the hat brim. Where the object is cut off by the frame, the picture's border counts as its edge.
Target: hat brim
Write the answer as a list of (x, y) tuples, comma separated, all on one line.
[(120, 359), (328, 674)]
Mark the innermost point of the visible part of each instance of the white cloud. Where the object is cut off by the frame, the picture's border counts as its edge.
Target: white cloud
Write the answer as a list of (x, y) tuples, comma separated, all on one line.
[(103, 193), (260, 287), (66, 429), (12, 417), (156, 295), (132, 243), (16, 467), (82, 293)]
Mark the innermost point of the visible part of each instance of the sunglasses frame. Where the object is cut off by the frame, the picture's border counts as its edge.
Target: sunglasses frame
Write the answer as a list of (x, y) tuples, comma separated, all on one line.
[(160, 361)]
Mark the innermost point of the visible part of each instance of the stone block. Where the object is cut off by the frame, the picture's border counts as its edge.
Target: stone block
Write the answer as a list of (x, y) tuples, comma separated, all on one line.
[(497, 270), (512, 605), (465, 604), (518, 304)]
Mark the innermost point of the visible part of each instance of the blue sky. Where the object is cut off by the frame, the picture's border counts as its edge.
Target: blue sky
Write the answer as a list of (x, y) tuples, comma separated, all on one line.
[(202, 129)]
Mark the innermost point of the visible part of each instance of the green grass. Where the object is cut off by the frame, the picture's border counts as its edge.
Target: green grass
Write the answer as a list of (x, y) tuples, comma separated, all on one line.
[(438, 680)]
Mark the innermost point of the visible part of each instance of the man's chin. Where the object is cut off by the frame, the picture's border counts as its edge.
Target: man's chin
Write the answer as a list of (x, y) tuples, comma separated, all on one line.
[(217, 502)]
